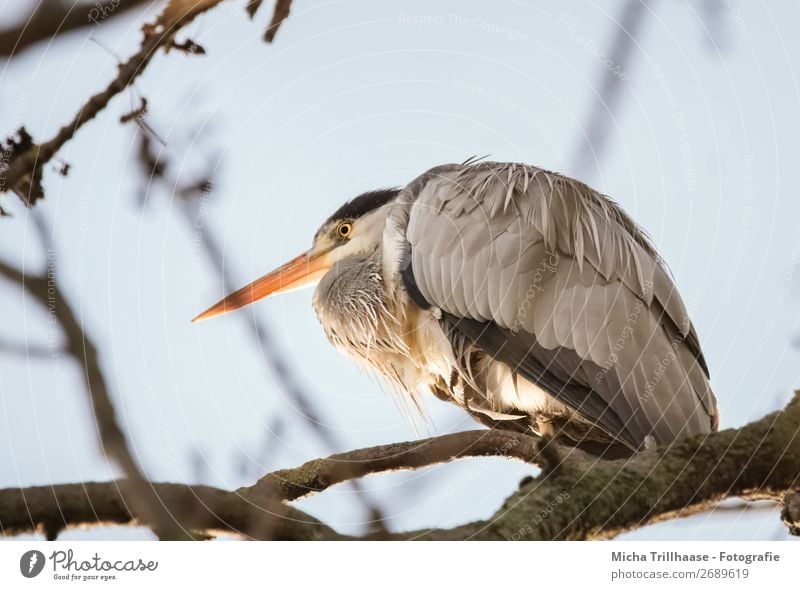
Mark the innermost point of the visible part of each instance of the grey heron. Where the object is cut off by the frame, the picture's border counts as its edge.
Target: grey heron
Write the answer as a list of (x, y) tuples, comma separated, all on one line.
[(526, 297)]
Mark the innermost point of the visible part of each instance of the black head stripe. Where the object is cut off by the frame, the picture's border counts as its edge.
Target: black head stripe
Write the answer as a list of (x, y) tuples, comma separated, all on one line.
[(363, 204)]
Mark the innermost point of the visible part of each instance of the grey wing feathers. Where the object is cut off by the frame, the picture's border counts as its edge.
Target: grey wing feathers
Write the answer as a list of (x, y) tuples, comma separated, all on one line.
[(556, 281), (554, 370)]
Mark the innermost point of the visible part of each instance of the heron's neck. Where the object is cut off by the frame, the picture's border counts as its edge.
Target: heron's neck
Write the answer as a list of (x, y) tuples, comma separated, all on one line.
[(353, 308)]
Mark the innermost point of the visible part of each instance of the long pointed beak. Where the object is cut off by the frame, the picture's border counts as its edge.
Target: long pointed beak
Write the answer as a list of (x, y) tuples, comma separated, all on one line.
[(299, 272)]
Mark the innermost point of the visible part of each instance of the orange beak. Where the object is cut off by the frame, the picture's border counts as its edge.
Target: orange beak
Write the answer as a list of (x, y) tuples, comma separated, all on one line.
[(299, 272)]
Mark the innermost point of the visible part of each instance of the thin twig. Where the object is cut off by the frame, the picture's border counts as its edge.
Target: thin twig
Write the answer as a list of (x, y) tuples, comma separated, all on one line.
[(600, 117), (252, 7), (23, 174), (281, 13)]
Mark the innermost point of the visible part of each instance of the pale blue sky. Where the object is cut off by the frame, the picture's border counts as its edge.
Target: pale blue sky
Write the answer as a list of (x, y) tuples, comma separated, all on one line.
[(355, 95)]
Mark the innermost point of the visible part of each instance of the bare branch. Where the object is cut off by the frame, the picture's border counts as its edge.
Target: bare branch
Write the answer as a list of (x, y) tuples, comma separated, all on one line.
[(281, 13), (136, 114), (575, 497), (586, 498), (320, 474), (50, 19), (23, 172), (205, 510), (252, 7), (45, 290), (600, 117), (194, 193)]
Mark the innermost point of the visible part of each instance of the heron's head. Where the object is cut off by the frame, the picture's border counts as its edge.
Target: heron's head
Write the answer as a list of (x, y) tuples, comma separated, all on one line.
[(355, 228)]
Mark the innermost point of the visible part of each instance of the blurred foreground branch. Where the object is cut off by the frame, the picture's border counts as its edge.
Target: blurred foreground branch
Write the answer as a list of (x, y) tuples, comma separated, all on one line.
[(192, 196), (49, 19), (46, 292), (23, 172), (601, 117), (575, 497)]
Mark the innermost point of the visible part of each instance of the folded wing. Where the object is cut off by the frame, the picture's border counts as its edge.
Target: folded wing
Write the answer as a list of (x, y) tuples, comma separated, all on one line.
[(555, 280)]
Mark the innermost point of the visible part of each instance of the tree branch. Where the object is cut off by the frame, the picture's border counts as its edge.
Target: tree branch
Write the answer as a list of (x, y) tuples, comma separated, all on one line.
[(320, 474), (599, 120), (45, 290), (203, 509), (589, 499), (576, 497), (193, 195), (23, 173), (50, 19), (281, 13)]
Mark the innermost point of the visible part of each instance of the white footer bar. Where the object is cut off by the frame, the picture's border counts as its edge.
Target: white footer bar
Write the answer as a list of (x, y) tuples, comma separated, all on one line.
[(407, 565)]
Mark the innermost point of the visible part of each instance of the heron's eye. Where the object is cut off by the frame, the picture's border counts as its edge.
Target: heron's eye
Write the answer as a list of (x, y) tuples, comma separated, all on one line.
[(344, 229)]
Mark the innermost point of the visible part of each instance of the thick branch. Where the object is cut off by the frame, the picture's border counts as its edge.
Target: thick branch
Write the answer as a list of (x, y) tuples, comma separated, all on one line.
[(589, 499), (207, 510), (575, 497)]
